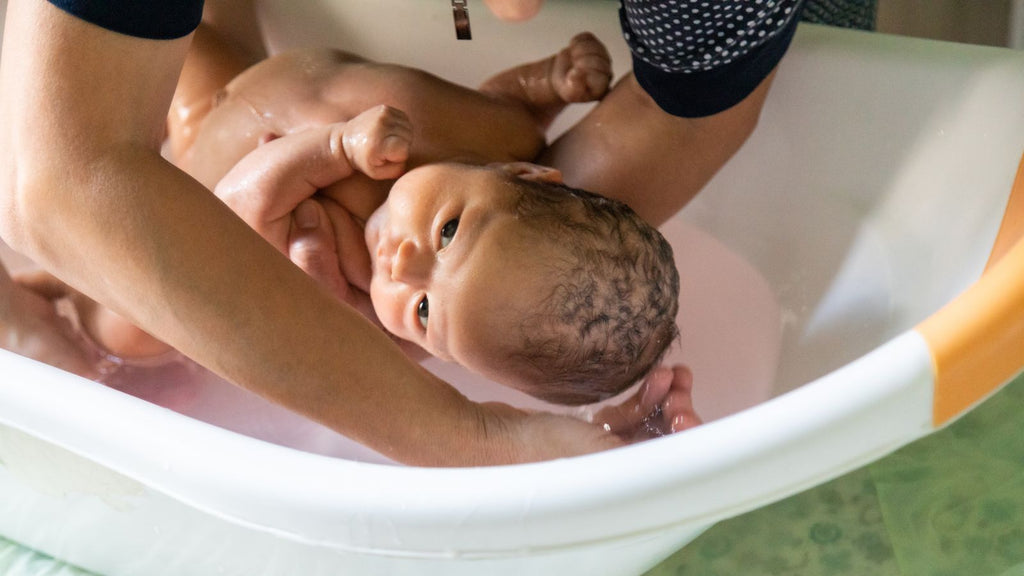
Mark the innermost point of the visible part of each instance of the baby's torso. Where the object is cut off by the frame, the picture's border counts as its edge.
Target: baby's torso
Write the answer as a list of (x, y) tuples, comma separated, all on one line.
[(297, 90)]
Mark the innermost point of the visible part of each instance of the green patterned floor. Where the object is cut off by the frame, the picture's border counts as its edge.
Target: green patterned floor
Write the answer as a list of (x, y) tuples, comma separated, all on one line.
[(951, 504)]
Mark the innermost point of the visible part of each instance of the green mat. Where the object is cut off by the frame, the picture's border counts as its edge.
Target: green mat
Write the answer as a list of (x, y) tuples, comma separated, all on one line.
[(951, 504)]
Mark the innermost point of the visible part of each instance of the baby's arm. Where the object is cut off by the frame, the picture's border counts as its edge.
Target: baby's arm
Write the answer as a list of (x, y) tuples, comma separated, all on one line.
[(580, 72), (269, 183)]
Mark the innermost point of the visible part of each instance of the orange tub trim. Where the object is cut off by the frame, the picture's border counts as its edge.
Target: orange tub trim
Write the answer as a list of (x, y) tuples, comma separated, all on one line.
[(977, 340)]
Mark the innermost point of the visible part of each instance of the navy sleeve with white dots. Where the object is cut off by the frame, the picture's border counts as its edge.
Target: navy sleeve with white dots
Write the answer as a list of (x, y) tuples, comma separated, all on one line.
[(162, 20), (700, 57)]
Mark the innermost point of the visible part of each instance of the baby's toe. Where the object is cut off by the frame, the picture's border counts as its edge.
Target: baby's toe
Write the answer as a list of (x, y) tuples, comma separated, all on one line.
[(582, 85)]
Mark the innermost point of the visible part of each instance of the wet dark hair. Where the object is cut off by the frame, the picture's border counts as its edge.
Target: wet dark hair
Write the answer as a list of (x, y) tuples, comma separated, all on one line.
[(611, 313)]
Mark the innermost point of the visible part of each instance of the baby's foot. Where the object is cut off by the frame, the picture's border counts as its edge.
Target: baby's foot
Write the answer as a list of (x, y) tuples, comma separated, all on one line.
[(377, 142), (582, 71)]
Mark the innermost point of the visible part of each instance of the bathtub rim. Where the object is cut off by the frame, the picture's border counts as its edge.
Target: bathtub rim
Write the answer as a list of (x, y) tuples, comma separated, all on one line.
[(504, 510)]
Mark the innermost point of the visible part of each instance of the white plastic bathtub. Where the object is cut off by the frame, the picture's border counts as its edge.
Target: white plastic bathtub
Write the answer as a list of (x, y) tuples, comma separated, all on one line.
[(819, 269)]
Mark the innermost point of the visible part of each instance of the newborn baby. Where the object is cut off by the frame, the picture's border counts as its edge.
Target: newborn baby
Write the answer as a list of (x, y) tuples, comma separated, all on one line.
[(464, 248)]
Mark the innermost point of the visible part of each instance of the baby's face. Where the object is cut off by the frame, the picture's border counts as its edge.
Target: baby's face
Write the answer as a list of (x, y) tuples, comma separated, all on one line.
[(452, 270)]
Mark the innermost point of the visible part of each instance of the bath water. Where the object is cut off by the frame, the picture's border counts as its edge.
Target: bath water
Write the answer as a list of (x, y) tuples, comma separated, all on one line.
[(730, 335)]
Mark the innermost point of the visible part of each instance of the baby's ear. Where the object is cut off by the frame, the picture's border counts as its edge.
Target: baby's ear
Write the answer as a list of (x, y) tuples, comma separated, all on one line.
[(533, 172)]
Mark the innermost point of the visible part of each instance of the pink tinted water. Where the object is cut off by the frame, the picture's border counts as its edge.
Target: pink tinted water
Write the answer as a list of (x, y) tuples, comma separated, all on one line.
[(730, 336)]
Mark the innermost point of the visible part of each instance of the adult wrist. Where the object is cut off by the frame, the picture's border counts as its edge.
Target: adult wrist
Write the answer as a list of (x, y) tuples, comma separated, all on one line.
[(462, 433)]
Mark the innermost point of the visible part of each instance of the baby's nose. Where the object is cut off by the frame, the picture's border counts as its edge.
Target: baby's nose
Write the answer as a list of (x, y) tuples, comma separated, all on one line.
[(411, 264)]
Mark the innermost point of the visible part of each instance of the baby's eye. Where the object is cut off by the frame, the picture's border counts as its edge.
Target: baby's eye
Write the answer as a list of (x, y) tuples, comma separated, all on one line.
[(448, 231), (422, 311)]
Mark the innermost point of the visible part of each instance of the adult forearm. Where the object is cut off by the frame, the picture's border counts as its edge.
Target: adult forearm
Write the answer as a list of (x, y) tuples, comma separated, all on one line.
[(628, 148), (187, 270), (87, 195)]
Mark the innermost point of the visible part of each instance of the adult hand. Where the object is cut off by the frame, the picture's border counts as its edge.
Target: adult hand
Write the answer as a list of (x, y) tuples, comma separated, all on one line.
[(537, 436), (314, 244), (515, 10), (663, 405), (31, 327)]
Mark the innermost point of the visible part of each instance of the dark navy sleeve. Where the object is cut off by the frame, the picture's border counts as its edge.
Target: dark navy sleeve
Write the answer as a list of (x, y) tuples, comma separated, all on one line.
[(153, 19), (695, 60)]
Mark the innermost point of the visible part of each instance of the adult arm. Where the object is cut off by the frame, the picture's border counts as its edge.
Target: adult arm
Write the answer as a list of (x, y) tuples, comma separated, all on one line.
[(699, 80), (86, 194), (628, 148)]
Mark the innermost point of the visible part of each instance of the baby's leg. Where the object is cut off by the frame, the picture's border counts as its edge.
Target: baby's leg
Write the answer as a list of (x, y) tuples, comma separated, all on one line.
[(580, 72), (107, 331)]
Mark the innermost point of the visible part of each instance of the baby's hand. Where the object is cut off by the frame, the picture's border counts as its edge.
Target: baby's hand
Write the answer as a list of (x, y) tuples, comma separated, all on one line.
[(266, 185), (377, 142), (582, 71)]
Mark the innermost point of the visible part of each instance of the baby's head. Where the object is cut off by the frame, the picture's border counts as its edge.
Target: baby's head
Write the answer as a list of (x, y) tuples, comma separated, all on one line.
[(563, 294)]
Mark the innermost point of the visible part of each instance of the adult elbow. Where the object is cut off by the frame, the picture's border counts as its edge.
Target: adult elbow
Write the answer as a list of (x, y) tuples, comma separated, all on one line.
[(27, 215), (11, 190)]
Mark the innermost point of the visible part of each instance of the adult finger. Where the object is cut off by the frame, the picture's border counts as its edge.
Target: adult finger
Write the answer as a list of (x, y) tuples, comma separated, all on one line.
[(514, 10), (312, 247)]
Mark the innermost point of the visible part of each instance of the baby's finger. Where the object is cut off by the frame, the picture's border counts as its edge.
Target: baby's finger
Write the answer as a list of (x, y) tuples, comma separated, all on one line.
[(592, 63), (586, 45), (561, 65), (378, 140), (394, 152)]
